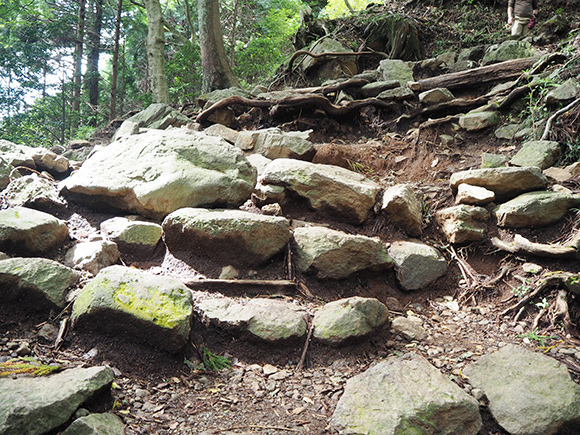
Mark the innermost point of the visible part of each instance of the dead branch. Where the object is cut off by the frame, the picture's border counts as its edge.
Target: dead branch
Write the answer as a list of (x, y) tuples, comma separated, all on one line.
[(521, 245), (300, 365), (556, 115), (322, 55), (538, 317), (545, 283), (484, 74)]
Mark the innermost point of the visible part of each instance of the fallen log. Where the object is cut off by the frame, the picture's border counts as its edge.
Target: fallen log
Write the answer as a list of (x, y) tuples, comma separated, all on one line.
[(315, 100), (251, 286), (521, 245), (327, 54), (483, 74)]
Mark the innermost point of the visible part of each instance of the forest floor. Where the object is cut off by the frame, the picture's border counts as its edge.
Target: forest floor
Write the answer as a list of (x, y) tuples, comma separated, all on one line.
[(263, 392)]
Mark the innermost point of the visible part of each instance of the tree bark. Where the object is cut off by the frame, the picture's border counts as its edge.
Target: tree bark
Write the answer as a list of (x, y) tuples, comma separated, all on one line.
[(115, 61), (93, 67), (78, 58), (156, 52), (216, 71)]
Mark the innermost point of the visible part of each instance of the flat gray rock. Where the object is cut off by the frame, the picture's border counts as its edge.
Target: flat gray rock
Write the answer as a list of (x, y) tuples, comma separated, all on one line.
[(535, 209), (417, 264), (169, 170), (36, 279), (132, 235), (341, 321), (264, 319), (28, 230), (478, 120), (334, 254), (35, 192), (529, 393), (274, 143), (540, 153), (405, 395), (506, 182), (346, 195), (229, 236), (154, 309), (38, 405)]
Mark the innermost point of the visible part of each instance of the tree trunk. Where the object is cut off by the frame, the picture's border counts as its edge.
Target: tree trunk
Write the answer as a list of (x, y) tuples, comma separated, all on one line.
[(115, 61), (93, 67), (156, 52), (216, 71), (78, 58)]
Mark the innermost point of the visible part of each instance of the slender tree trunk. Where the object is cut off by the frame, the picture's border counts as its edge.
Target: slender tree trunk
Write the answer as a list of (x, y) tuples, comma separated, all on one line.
[(216, 71), (78, 59), (189, 19), (93, 67), (233, 32), (156, 52), (115, 61), (122, 84)]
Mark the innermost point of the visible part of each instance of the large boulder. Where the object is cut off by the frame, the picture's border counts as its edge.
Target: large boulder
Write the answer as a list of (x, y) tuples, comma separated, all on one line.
[(157, 115), (40, 405), (335, 254), (26, 230), (535, 209), (504, 182), (231, 236), (529, 393), (5, 172), (508, 50), (168, 170), (405, 395), (17, 155), (417, 264), (36, 279), (347, 195), (106, 423), (122, 300), (342, 321)]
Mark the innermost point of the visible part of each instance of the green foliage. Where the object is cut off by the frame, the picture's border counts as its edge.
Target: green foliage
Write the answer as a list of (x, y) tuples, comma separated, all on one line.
[(214, 362), (184, 73), (26, 365), (537, 337), (338, 8)]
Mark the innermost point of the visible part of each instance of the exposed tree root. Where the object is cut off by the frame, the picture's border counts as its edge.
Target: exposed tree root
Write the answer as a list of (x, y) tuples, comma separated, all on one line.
[(521, 245), (556, 115)]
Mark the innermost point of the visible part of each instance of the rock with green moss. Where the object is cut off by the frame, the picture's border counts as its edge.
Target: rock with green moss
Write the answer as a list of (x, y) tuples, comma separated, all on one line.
[(508, 50), (346, 195), (563, 92), (132, 234), (474, 121), (405, 395), (226, 236), (535, 209), (540, 153), (396, 69), (529, 392), (36, 279), (157, 172), (274, 143), (106, 423), (5, 171), (122, 300), (341, 321), (40, 405), (322, 69), (332, 254), (26, 230)]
